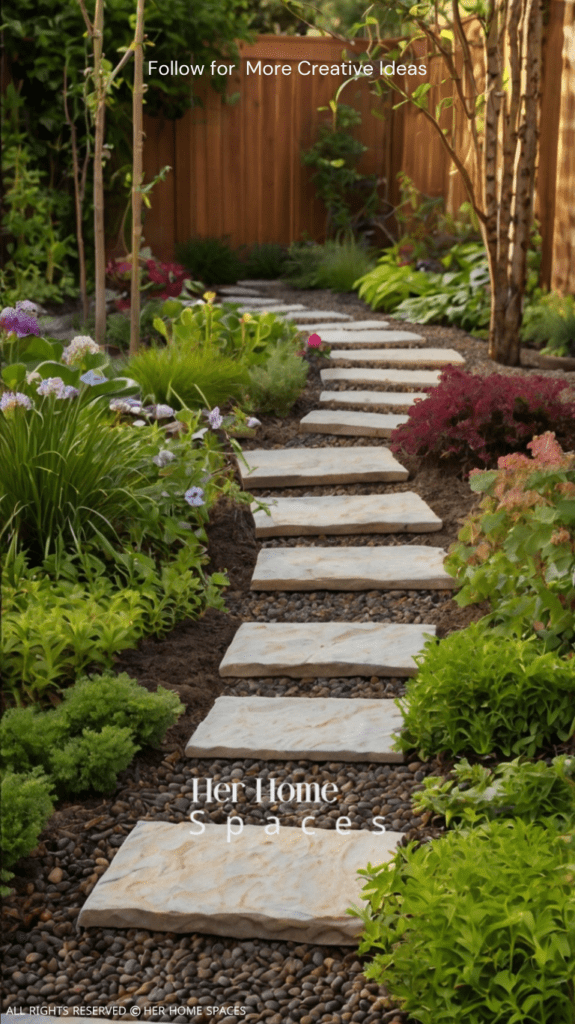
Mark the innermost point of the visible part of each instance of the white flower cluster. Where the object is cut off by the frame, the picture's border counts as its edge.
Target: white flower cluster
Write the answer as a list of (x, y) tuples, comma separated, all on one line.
[(80, 346), (56, 386)]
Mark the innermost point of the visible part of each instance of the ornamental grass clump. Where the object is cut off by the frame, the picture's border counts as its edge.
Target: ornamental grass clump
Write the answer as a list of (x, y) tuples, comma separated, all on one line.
[(518, 550), (478, 693), (180, 376), (476, 419), (478, 926)]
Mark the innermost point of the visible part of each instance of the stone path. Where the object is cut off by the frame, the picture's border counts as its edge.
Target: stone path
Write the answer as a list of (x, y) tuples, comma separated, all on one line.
[(356, 513), (277, 882), (358, 424)]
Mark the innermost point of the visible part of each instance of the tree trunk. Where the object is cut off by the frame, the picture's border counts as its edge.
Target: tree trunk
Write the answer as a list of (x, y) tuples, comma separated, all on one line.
[(99, 228), (137, 175)]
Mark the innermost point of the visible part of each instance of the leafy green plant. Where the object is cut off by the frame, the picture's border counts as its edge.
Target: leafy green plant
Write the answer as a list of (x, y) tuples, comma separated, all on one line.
[(120, 701), (513, 789), (57, 623), (458, 295), (265, 261), (302, 264), (337, 181), (182, 376), (482, 693), (275, 386), (93, 760), (341, 265), (518, 551), (479, 925), (248, 338), (25, 808), (550, 324), (210, 259)]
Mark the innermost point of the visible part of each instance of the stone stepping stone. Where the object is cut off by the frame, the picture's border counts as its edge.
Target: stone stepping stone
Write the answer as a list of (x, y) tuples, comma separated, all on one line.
[(324, 650), (299, 728), (399, 357), (380, 339), (354, 424), (315, 314), (258, 300), (288, 887), (236, 289), (379, 399), (405, 567), (298, 467), (365, 375), (355, 513), (259, 283), (352, 325), (272, 308)]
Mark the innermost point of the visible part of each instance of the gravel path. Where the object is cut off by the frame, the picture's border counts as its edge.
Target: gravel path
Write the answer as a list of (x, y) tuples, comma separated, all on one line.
[(160, 975)]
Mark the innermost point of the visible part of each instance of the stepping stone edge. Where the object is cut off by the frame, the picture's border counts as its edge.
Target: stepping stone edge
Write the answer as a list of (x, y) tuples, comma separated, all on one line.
[(386, 567), (356, 513), (300, 467), (324, 650), (290, 886), (299, 728)]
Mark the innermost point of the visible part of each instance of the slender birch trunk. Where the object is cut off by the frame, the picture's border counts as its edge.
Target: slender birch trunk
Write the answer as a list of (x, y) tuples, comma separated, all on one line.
[(137, 175)]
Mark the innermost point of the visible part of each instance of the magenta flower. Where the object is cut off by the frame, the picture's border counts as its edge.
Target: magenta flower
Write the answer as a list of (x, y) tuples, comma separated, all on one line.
[(314, 341)]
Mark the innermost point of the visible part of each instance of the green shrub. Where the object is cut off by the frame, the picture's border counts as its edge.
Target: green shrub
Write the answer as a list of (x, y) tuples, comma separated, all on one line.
[(210, 259), (55, 626), (121, 701), (518, 551), (92, 735), (302, 264), (92, 760), (476, 692), (513, 789), (25, 808), (275, 386), (550, 323), (265, 261), (341, 264), (476, 926), (221, 330), (176, 375)]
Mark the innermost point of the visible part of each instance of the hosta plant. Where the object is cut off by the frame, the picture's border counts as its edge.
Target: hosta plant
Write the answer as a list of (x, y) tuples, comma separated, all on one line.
[(476, 692), (518, 550), (476, 926), (532, 791), (476, 419)]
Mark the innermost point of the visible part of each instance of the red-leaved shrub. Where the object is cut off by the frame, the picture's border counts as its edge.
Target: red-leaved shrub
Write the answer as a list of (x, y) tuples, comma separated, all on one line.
[(478, 419)]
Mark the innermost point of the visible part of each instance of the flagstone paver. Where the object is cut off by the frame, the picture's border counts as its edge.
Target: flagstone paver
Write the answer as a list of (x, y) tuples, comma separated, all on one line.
[(324, 314), (379, 399), (403, 567), (355, 424), (351, 325), (299, 728), (259, 282), (404, 357), (367, 338), (324, 650), (288, 886), (367, 375), (272, 307), (405, 512), (237, 289), (296, 467)]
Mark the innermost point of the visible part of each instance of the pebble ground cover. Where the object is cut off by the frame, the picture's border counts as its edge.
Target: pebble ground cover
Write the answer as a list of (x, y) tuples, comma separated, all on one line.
[(278, 981)]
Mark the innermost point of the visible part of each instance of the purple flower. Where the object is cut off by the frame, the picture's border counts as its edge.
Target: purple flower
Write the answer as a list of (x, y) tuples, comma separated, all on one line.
[(52, 386), (215, 419), (10, 399), (18, 322), (194, 496), (127, 405), (253, 422), (162, 412), (163, 458), (27, 306), (70, 392), (92, 378)]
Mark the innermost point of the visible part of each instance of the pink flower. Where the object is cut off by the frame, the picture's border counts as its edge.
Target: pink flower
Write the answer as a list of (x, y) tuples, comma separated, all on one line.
[(314, 341)]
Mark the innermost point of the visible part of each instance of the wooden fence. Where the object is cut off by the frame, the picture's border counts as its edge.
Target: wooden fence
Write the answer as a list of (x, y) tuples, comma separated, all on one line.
[(236, 167)]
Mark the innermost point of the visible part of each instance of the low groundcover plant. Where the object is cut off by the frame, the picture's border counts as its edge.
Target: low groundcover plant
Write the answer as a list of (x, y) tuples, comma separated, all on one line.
[(477, 926)]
